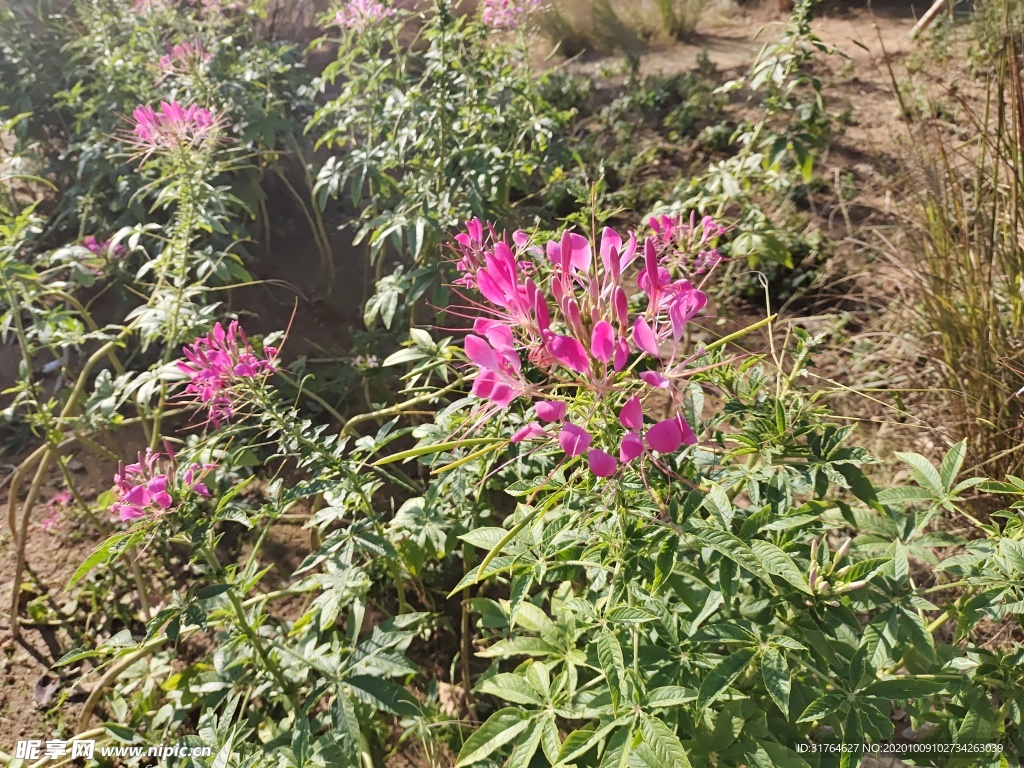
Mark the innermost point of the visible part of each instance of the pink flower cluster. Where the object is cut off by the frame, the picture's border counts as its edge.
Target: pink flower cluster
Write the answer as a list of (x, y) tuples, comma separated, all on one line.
[(102, 248), (359, 14), (183, 57), (145, 6), (151, 486), (672, 236), (173, 126), (506, 14), (216, 363), (579, 331)]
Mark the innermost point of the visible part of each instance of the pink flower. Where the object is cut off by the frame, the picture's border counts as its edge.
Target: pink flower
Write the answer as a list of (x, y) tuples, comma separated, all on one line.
[(574, 440), (506, 14), (102, 248), (145, 489), (173, 126), (359, 14), (601, 463), (183, 57), (217, 363)]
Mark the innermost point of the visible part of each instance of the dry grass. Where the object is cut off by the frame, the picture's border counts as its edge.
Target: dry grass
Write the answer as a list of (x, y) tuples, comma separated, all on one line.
[(961, 254), (619, 25)]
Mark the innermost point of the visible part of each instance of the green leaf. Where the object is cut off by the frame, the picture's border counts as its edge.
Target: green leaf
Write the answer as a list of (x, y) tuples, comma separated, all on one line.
[(609, 653), (778, 563), (212, 591), (663, 743), (578, 743), (384, 695), (104, 553), (668, 696), (719, 678), (484, 538), (230, 494), (501, 728), (518, 646), (775, 672), (524, 750), (510, 687), (904, 688), (732, 547), (823, 706), (923, 472), (952, 463)]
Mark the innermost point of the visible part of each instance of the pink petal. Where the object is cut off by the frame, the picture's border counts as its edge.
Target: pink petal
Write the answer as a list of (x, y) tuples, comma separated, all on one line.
[(689, 438), (570, 353), (655, 379), (575, 251), (574, 440), (621, 354), (602, 341), (610, 241), (480, 352), (644, 338), (548, 410), (601, 464), (631, 447), (665, 436), (531, 431), (632, 414)]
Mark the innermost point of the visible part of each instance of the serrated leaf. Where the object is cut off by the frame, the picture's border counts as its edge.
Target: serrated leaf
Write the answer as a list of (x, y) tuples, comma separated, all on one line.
[(721, 677), (775, 672), (384, 695), (778, 563), (823, 706), (668, 696), (609, 653), (663, 743), (501, 728), (517, 646), (923, 472), (952, 462), (484, 538), (510, 687), (904, 688)]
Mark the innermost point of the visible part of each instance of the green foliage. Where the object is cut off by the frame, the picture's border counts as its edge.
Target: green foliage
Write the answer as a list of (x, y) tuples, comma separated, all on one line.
[(426, 137)]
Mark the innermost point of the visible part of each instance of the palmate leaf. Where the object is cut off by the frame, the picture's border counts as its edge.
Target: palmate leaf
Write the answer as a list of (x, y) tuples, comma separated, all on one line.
[(502, 727)]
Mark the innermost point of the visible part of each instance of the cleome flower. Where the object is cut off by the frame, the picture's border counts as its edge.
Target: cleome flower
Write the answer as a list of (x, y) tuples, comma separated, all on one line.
[(217, 363), (598, 361), (506, 14), (173, 126), (360, 14), (183, 57), (151, 487), (102, 248)]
